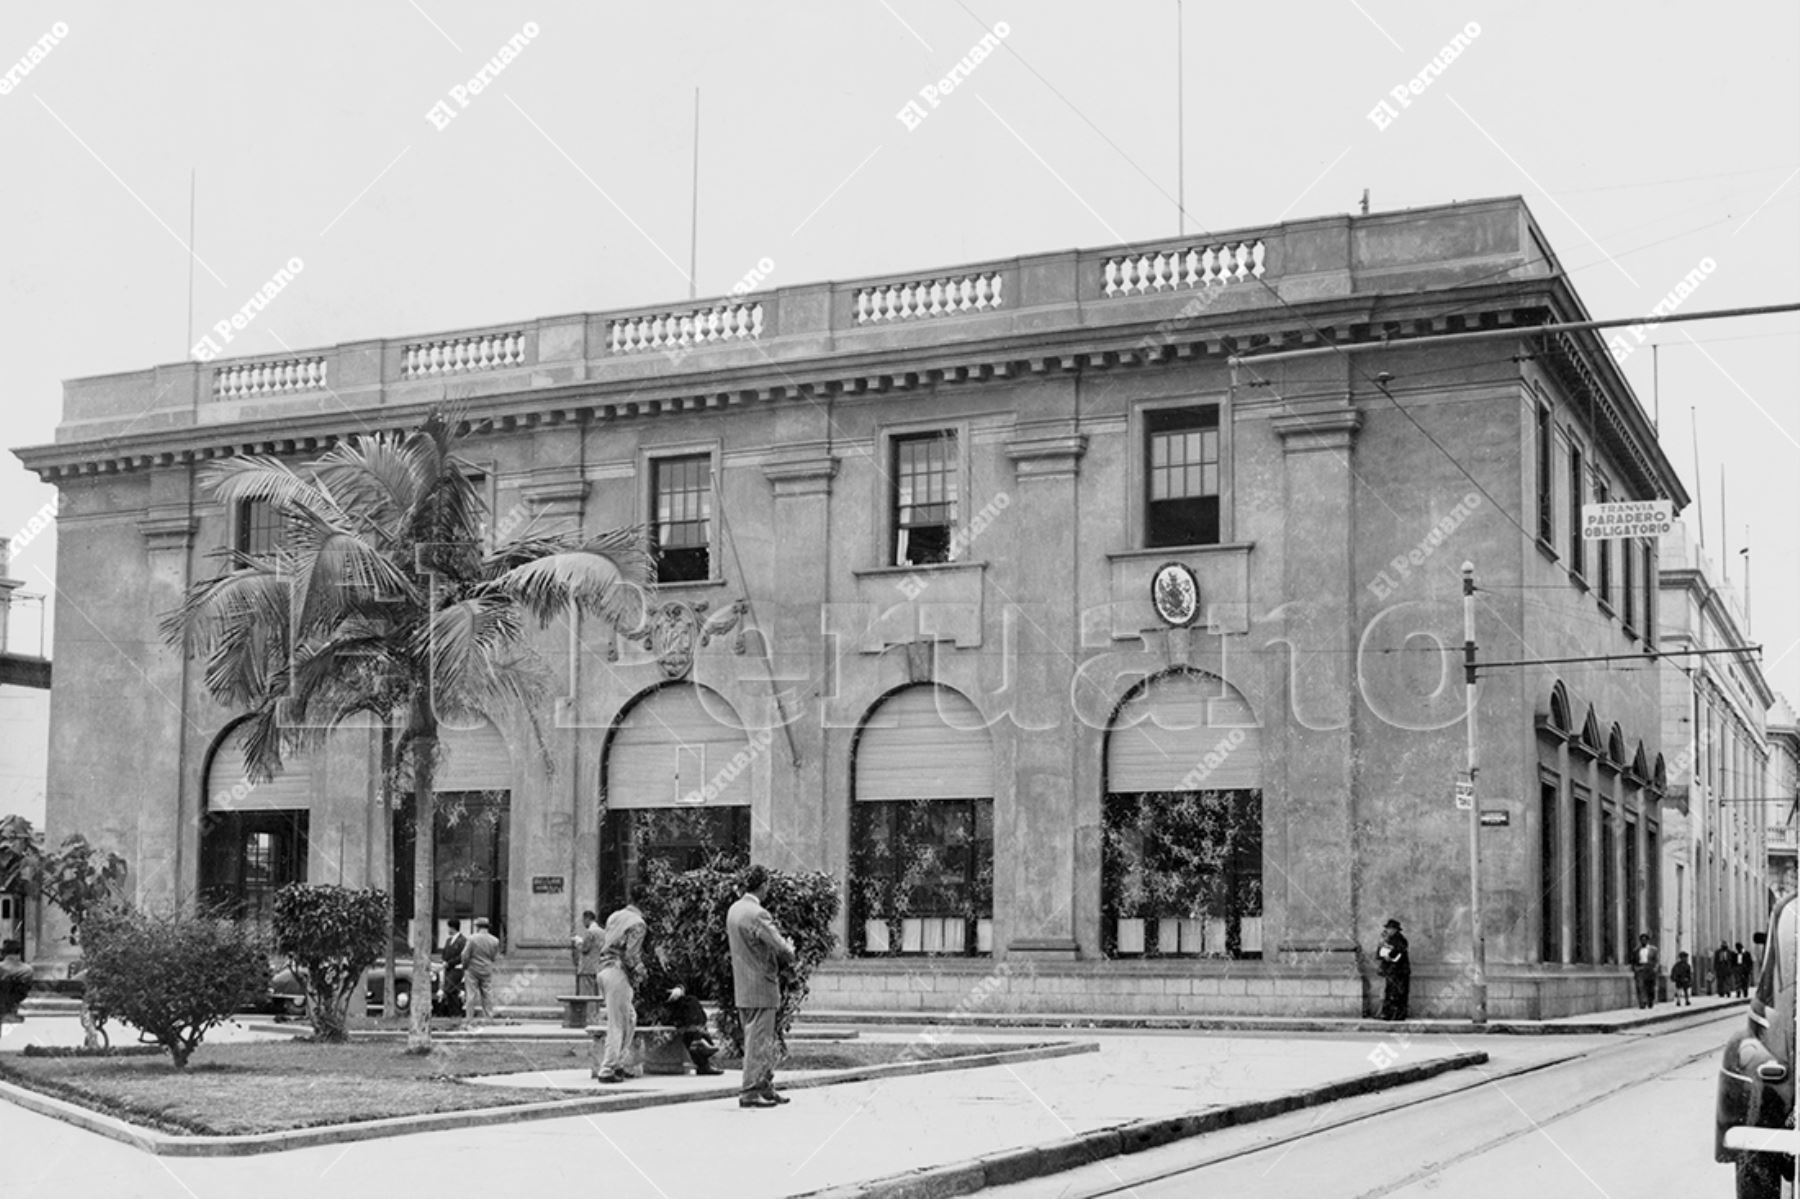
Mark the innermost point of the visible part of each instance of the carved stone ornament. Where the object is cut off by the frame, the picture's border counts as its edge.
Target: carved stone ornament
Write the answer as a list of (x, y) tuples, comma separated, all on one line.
[(1176, 594), (674, 630)]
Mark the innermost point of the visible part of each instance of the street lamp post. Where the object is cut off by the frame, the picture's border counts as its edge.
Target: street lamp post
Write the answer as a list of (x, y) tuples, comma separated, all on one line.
[(1478, 959)]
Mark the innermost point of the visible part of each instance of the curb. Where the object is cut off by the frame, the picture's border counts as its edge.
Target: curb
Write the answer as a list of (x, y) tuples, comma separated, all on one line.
[(1036, 1161), (1068, 1022), (163, 1144)]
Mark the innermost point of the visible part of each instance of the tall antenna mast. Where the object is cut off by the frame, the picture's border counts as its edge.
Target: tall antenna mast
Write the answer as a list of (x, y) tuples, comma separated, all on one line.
[(187, 347), (694, 208), (1699, 485), (1180, 129)]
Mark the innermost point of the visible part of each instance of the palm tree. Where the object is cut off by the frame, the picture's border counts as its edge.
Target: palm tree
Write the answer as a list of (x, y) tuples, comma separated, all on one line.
[(381, 600)]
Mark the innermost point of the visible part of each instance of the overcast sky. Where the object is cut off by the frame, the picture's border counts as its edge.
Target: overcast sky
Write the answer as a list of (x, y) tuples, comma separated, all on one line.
[(1645, 137)]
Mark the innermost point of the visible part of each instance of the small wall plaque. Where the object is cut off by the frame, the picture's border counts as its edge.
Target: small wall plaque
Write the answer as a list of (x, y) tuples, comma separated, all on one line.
[(546, 884), (1175, 592)]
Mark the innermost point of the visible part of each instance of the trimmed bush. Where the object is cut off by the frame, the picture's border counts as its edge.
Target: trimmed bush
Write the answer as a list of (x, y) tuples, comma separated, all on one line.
[(686, 917), (330, 935), (173, 977)]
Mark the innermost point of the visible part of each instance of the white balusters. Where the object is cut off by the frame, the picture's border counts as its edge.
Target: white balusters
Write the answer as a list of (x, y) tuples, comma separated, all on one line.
[(926, 298), (1170, 270), (241, 380), (686, 328), (487, 351)]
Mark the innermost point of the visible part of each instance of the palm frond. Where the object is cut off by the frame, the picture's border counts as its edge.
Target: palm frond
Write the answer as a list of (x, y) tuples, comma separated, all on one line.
[(603, 577), (260, 477), (374, 476)]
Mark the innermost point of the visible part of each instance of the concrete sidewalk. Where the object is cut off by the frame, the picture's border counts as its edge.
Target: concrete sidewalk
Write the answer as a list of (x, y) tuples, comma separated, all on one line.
[(842, 1138), (1586, 1024)]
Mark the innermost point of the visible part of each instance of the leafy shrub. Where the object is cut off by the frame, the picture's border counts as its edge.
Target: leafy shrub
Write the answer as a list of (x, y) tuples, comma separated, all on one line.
[(173, 977), (330, 935), (686, 916)]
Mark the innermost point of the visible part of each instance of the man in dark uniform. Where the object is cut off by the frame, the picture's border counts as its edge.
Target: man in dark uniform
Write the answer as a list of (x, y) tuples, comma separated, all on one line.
[(1724, 969), (1396, 968)]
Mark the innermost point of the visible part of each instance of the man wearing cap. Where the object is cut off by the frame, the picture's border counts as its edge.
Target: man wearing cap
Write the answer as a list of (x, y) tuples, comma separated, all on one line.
[(478, 959), (1396, 968)]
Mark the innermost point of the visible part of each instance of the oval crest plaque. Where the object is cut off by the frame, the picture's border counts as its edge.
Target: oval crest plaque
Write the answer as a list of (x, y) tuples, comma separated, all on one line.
[(1175, 593)]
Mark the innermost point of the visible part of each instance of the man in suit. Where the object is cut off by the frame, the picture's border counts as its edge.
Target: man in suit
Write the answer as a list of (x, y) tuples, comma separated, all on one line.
[(1724, 969), (1744, 970), (587, 955), (1643, 968), (452, 1001), (479, 958), (757, 951)]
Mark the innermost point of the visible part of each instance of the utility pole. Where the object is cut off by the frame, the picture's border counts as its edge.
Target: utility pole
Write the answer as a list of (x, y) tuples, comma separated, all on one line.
[(1478, 961)]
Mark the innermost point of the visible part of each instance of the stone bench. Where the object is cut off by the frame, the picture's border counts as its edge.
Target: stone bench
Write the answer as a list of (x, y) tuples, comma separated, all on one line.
[(581, 1011), (658, 1048)]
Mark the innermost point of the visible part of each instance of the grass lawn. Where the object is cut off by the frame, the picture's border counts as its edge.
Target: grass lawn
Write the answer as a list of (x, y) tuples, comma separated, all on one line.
[(234, 1089)]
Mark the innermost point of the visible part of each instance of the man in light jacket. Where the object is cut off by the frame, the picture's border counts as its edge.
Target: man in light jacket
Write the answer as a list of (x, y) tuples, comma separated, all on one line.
[(621, 970), (478, 959), (757, 951)]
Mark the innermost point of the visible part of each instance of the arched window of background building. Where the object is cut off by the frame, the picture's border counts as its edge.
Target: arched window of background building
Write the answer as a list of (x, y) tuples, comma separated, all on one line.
[(1181, 856), (922, 827)]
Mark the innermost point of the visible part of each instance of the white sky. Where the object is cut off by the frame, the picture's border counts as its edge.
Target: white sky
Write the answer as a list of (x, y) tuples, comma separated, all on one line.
[(1645, 137)]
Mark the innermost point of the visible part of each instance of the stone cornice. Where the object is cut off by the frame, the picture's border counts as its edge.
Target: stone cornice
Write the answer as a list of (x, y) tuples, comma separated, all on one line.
[(890, 373)]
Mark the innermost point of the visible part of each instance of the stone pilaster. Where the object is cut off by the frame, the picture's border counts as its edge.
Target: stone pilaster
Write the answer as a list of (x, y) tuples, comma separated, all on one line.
[(1316, 882), (164, 866), (1034, 812)]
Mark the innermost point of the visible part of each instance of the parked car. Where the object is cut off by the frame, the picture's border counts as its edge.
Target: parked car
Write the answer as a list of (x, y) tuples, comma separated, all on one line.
[(1755, 1117), (288, 998)]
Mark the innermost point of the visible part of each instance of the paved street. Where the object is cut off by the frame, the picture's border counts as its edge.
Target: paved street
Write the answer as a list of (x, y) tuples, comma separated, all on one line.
[(1595, 1114), (1629, 1116)]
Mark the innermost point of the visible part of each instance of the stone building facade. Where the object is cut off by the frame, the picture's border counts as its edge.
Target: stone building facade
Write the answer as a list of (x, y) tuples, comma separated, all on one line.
[(1110, 668), (1715, 708)]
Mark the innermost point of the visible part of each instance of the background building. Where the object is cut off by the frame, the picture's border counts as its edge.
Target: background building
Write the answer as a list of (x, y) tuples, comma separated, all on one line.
[(1715, 860), (1782, 811), (24, 725), (1006, 593)]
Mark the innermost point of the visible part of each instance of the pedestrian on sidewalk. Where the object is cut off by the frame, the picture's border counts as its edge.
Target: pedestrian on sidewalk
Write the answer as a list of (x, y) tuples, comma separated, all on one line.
[(1395, 965), (1681, 977), (1643, 969), (757, 951), (479, 957), (450, 1002), (1724, 970), (586, 945), (1745, 967), (16, 980), (621, 970)]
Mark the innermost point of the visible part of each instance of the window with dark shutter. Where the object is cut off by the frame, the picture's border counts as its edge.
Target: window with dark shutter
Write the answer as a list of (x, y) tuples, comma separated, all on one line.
[(682, 500), (1181, 476)]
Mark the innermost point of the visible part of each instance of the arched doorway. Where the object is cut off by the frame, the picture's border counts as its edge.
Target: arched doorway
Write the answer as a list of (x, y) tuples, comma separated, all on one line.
[(253, 836), (675, 782), (472, 782), (922, 827), (1181, 856)]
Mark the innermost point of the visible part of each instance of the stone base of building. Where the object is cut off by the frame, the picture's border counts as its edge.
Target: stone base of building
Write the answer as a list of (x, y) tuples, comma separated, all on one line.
[(1328, 987)]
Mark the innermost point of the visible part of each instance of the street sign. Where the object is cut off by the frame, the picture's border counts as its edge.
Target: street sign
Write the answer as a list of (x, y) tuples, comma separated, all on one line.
[(1465, 793), (1495, 817), (1629, 518)]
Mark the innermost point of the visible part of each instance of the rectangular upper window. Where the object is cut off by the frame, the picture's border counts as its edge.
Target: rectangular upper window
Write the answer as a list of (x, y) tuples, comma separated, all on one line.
[(1577, 489), (1603, 549), (1546, 482), (925, 497), (1628, 552), (681, 497), (1181, 476), (259, 528), (1648, 582)]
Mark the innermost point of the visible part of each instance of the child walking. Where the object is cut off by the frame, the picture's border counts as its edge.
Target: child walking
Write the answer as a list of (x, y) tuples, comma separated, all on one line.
[(1681, 976)]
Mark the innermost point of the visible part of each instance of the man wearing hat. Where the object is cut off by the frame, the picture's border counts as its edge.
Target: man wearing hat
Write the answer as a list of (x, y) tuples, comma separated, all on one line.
[(478, 959), (1396, 968)]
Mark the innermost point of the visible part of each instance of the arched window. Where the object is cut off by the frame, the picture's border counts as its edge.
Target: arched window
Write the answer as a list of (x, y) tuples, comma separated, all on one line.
[(676, 785), (922, 827), (1181, 858), (253, 836)]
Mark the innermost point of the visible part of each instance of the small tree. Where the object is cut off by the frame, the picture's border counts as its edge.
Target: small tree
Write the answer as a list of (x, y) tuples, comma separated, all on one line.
[(330, 935), (686, 914), (173, 977)]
